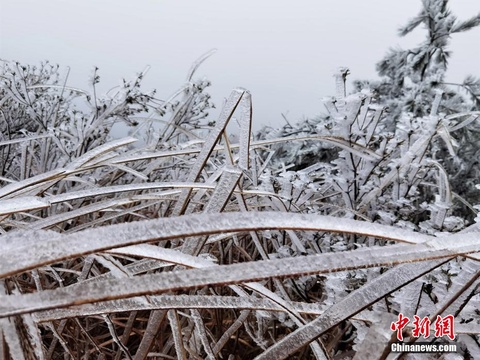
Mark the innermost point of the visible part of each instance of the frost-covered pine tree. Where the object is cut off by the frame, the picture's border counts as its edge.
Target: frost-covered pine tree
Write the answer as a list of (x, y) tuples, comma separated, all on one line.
[(410, 77), (411, 81)]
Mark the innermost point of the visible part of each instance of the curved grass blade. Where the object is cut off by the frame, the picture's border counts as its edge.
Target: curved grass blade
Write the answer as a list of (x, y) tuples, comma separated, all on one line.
[(40, 249), (111, 289)]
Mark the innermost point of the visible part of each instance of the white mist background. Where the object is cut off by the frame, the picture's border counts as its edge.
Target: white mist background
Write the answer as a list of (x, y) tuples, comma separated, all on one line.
[(284, 52)]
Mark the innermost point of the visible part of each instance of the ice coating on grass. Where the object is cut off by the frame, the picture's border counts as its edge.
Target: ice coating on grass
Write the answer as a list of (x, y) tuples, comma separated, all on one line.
[(34, 180), (100, 150), (174, 302), (88, 209), (470, 270), (416, 151), (24, 203), (47, 250), (163, 254), (245, 130), (12, 339), (349, 306), (222, 193), (223, 190), (234, 274), (208, 147), (124, 188), (19, 240), (340, 78), (26, 138), (199, 62)]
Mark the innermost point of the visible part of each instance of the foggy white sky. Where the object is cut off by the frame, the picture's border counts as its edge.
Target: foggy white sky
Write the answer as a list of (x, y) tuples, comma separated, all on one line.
[(284, 52)]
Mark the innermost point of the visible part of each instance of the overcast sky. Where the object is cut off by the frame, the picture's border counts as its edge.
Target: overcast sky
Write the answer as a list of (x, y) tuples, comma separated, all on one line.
[(284, 52)]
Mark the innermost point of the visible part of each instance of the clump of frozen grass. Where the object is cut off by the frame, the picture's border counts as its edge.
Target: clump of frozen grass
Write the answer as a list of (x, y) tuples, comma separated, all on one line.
[(191, 246), (305, 242)]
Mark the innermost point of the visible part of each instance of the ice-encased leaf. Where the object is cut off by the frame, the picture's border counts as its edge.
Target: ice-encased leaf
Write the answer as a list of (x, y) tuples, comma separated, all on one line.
[(88, 209), (349, 306), (202, 333), (27, 138), (45, 250), (174, 302), (115, 189), (245, 130), (163, 254), (376, 339), (224, 189), (31, 183), (199, 62), (176, 327), (98, 151), (209, 145), (12, 338), (437, 248), (26, 203)]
